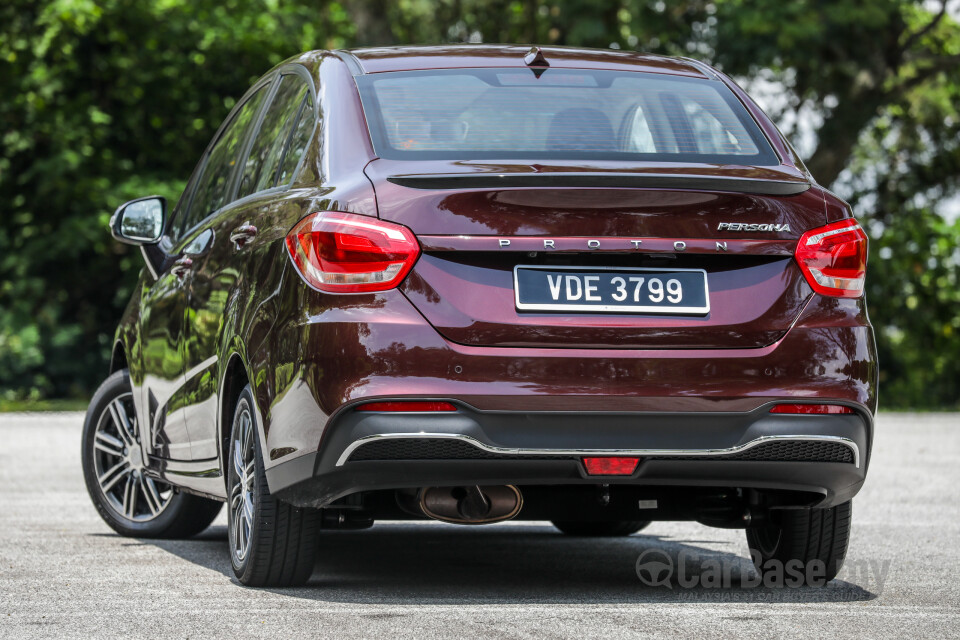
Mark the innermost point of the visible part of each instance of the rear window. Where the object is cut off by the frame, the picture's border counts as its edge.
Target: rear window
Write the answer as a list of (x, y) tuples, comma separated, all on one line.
[(466, 114)]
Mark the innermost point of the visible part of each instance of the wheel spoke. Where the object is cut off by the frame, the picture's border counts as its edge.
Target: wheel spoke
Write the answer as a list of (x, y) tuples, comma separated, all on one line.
[(248, 507), (240, 537), (245, 534), (237, 460), (243, 539), (119, 415), (247, 435), (236, 496), (108, 444), (151, 494), (113, 475), (236, 533), (130, 498), (250, 471)]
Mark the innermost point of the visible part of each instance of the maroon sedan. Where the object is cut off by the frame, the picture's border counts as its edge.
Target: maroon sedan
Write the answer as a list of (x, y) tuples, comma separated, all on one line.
[(475, 283)]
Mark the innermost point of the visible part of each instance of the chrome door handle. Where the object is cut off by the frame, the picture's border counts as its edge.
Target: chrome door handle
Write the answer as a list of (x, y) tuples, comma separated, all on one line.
[(243, 234), (181, 267)]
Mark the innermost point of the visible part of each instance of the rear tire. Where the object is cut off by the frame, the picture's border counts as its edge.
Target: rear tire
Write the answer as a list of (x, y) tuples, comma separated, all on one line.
[(804, 535), (129, 498), (272, 543), (600, 529)]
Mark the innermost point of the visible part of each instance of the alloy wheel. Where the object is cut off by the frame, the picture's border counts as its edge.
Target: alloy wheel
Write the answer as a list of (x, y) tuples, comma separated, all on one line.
[(120, 466), (241, 492)]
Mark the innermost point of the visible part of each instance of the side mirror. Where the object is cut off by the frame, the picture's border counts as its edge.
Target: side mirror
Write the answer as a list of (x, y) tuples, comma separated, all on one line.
[(139, 221)]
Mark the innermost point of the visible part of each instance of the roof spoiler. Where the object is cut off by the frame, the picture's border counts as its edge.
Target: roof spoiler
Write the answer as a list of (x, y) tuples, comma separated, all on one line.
[(603, 180)]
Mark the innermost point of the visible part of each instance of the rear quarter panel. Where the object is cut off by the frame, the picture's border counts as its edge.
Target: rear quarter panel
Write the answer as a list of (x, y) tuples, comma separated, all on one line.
[(331, 178)]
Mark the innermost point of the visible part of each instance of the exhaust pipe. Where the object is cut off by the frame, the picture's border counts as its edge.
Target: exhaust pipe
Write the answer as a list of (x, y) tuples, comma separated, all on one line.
[(470, 504)]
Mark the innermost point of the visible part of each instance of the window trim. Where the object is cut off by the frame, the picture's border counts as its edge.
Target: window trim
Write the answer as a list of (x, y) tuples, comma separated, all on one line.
[(176, 246)]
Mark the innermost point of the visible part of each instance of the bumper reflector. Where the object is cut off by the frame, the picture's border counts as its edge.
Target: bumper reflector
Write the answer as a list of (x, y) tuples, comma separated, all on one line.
[(810, 408), (410, 406), (610, 466)]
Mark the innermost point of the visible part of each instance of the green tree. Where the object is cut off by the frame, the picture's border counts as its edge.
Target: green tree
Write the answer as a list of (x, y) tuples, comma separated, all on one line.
[(880, 80), (106, 100), (101, 102)]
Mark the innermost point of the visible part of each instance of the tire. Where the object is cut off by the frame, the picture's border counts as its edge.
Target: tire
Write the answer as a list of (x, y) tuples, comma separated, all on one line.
[(272, 543), (804, 535), (600, 529), (132, 501)]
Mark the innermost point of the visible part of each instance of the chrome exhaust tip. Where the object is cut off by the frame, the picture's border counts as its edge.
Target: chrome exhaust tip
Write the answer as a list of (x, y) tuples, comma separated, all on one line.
[(471, 504)]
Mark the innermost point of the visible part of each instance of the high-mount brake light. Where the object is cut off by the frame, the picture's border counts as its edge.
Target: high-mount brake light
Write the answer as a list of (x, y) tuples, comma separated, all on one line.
[(810, 408), (834, 258), (347, 253), (406, 405), (610, 466)]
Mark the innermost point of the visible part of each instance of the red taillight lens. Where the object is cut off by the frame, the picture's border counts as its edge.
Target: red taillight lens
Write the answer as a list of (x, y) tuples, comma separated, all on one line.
[(347, 253), (810, 408), (834, 258), (610, 466), (406, 406)]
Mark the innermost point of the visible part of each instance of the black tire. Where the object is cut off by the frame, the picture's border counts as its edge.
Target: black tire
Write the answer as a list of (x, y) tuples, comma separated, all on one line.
[(180, 515), (804, 535), (281, 540), (600, 529)]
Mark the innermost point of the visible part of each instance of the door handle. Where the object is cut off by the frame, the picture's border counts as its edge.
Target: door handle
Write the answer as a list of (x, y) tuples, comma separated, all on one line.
[(243, 234), (181, 267)]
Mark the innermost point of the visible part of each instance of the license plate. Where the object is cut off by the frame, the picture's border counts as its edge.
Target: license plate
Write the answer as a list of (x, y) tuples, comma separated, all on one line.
[(611, 290)]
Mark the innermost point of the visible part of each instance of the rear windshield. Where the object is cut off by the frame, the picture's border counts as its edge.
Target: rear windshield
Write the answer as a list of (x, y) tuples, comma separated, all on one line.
[(466, 114)]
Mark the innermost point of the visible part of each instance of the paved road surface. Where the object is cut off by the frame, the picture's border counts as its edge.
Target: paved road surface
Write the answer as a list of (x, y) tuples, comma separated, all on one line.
[(64, 573)]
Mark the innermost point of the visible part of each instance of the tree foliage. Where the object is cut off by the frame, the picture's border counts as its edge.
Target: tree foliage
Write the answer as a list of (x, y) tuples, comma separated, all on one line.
[(107, 100)]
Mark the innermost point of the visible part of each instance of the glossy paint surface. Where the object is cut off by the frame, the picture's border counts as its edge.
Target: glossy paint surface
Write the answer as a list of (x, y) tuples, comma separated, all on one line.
[(463, 284), (451, 331)]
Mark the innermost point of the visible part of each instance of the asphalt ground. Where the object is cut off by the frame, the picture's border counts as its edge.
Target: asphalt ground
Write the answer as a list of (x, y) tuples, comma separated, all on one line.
[(64, 573)]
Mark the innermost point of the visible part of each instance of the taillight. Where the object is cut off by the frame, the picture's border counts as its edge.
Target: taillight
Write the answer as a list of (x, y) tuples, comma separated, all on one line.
[(810, 408), (407, 405), (834, 258), (347, 253), (610, 466)]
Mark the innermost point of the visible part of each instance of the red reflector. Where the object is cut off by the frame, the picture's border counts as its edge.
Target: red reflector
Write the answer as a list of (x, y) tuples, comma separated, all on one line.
[(810, 408), (406, 406), (610, 466)]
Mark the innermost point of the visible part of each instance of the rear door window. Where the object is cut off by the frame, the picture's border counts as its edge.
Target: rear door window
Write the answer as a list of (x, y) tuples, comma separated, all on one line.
[(260, 168), (211, 193), (299, 139)]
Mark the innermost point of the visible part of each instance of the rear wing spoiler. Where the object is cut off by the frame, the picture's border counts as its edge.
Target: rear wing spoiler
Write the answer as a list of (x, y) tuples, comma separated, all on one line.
[(602, 180)]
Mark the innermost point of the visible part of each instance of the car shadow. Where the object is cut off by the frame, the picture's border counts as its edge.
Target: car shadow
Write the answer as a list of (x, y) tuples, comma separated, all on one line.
[(417, 563)]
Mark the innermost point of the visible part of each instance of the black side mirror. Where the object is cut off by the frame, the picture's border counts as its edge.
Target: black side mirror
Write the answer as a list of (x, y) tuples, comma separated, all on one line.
[(139, 221)]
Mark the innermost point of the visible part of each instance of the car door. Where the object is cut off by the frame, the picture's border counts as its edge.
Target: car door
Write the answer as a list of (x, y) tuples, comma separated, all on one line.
[(216, 275), (163, 303), (192, 242)]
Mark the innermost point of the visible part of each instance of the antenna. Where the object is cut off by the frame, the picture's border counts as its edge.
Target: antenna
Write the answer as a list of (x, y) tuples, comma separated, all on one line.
[(536, 61)]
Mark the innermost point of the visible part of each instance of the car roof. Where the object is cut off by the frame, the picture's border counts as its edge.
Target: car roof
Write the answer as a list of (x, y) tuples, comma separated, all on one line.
[(458, 56)]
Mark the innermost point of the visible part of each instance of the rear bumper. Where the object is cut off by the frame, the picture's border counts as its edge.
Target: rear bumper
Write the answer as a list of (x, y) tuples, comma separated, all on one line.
[(691, 414), (824, 456)]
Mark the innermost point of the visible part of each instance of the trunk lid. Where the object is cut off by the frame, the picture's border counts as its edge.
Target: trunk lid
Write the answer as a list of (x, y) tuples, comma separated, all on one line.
[(477, 222)]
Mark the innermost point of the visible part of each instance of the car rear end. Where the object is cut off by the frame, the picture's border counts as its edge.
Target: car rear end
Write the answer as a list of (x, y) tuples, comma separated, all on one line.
[(613, 292)]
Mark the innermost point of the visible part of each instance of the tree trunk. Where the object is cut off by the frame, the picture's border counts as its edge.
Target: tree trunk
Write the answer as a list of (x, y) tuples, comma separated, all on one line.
[(373, 22), (838, 136)]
